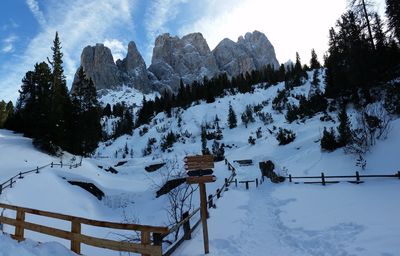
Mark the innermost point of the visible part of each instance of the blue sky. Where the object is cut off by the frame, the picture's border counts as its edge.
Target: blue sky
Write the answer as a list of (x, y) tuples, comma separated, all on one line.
[(27, 28)]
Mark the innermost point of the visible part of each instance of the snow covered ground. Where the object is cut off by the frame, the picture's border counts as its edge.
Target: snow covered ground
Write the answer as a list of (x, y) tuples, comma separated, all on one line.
[(283, 219)]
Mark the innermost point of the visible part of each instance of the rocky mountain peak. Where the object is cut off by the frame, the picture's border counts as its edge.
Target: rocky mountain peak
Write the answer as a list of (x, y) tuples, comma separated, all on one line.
[(188, 58)]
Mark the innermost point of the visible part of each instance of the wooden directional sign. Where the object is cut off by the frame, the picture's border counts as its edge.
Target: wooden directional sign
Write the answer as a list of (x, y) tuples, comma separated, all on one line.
[(202, 179), (199, 162), (200, 172)]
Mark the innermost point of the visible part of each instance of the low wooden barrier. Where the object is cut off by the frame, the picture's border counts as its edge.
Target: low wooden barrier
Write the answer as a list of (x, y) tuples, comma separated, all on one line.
[(146, 247), (355, 178), (11, 181)]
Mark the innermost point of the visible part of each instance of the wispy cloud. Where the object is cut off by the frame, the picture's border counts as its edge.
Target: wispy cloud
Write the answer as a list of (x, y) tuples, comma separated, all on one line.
[(10, 25), (79, 23), (8, 44), (158, 14), (34, 7), (117, 48), (290, 25)]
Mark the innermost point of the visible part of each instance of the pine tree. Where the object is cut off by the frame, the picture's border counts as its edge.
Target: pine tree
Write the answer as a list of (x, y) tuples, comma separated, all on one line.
[(86, 128), (232, 120), (60, 101), (344, 128), (204, 148), (393, 14), (328, 140), (360, 7), (314, 63)]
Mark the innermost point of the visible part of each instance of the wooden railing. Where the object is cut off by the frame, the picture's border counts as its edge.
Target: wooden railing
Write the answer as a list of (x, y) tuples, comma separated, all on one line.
[(75, 236), (187, 217), (326, 179), (11, 181)]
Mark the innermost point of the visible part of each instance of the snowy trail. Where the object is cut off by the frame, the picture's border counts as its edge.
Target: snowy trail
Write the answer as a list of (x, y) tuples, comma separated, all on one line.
[(270, 221)]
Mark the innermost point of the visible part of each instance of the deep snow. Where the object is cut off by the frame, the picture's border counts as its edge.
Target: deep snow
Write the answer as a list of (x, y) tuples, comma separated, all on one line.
[(284, 219)]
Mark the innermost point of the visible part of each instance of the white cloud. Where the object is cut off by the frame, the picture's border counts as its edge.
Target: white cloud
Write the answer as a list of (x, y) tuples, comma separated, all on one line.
[(34, 7), (290, 25), (157, 16), (117, 48), (8, 44), (79, 23)]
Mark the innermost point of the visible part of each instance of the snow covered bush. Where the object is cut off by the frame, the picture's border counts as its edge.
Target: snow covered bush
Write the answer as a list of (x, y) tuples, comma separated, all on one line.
[(328, 140), (266, 118), (247, 115), (285, 136), (251, 140)]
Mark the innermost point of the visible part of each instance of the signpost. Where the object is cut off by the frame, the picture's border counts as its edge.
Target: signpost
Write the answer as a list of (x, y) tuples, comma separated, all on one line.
[(199, 170)]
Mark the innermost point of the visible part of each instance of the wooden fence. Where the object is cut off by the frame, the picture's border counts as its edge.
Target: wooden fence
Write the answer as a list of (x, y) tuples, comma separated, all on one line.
[(324, 179), (75, 236), (11, 181), (189, 218)]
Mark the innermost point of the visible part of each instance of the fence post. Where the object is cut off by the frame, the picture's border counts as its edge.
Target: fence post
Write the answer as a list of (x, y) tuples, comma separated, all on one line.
[(357, 176), (235, 182), (210, 201), (226, 161), (157, 239), (290, 177), (323, 178), (145, 239), (256, 182), (186, 226), (247, 185), (19, 228), (218, 193), (11, 182), (229, 166), (75, 229), (20, 175), (226, 182), (1, 188), (37, 169), (61, 163), (398, 174), (51, 165)]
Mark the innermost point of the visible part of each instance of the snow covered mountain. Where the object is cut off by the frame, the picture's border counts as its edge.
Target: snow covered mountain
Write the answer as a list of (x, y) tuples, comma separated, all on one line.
[(273, 219), (188, 58)]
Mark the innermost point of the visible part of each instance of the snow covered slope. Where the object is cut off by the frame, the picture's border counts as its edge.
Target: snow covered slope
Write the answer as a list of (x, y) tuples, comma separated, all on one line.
[(283, 219)]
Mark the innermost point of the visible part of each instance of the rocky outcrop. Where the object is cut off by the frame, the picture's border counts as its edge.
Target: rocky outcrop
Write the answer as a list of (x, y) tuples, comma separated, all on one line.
[(259, 48), (232, 58), (251, 52), (98, 64), (133, 69), (188, 58)]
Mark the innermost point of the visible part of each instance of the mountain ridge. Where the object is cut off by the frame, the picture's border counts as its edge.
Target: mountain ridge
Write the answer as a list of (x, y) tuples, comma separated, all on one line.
[(188, 58)]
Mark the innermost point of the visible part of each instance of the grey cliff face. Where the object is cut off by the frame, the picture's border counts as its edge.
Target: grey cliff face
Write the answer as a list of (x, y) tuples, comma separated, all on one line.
[(133, 69), (260, 49), (232, 58), (254, 51), (188, 58), (98, 64)]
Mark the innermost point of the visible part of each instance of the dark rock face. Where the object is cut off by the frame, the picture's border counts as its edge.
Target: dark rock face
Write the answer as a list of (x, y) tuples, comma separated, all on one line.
[(267, 169), (89, 187), (98, 64)]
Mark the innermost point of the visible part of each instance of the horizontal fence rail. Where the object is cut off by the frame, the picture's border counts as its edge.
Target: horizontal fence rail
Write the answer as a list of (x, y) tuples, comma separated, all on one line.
[(75, 236), (11, 181), (355, 178)]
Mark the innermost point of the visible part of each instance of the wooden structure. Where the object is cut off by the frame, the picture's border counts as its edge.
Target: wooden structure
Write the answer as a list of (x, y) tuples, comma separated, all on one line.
[(197, 164), (145, 247), (356, 179)]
